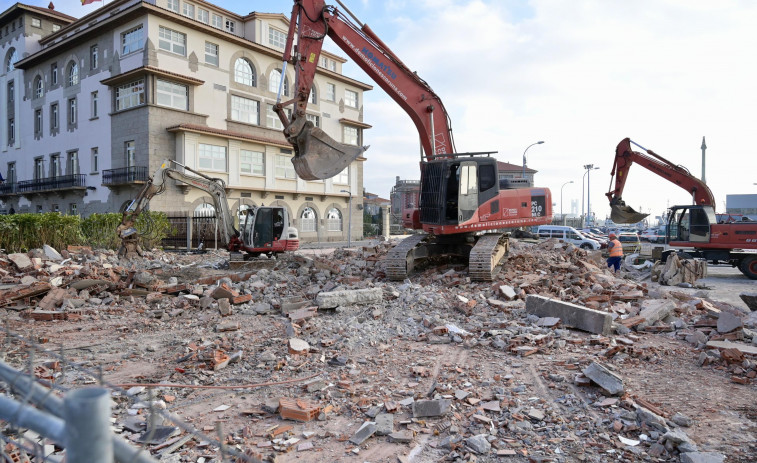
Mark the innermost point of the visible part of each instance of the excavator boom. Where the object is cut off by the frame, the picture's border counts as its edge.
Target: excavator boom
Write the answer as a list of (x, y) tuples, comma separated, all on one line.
[(676, 174)]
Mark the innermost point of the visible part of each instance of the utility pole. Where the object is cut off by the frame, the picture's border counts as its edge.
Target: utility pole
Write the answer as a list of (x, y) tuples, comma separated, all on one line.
[(704, 148)]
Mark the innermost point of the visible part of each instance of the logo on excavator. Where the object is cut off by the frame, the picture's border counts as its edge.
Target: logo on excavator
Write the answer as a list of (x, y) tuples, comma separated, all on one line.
[(375, 59)]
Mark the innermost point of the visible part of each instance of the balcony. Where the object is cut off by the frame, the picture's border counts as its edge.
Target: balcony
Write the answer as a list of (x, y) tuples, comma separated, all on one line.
[(8, 189), (125, 176), (60, 183)]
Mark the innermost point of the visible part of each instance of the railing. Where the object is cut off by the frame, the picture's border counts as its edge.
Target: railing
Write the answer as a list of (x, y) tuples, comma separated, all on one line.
[(8, 188), (125, 175), (52, 183)]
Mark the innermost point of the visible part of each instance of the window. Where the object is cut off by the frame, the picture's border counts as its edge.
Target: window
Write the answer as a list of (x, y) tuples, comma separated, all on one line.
[(172, 95), (351, 135), (94, 105), (95, 161), (313, 98), (334, 220), (39, 168), (203, 15), (73, 163), (171, 40), (173, 5), (54, 73), (316, 120), (54, 116), (11, 131), (284, 167), (273, 82), (11, 172), (211, 53), (245, 110), (131, 41), (343, 177), (251, 162), (56, 27), (230, 26), (73, 209), (308, 220), (276, 38), (272, 119), (244, 73), (38, 121), (217, 21), (130, 95), (55, 165), (331, 92), (39, 87), (332, 65), (212, 157), (73, 74), (55, 208), (36, 22), (10, 60), (130, 153), (11, 93), (39, 207), (189, 10), (350, 98), (93, 57), (72, 111)]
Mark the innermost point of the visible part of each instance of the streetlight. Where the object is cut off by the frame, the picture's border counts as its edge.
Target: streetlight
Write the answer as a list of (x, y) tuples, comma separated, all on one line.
[(524, 156), (561, 214), (349, 224), (589, 168)]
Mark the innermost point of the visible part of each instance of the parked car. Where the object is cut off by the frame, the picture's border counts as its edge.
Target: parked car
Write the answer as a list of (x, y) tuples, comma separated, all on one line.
[(653, 235), (602, 240), (569, 235), (630, 242)]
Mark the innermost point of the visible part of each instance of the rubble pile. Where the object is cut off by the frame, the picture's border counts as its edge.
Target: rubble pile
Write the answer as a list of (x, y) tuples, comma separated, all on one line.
[(530, 366)]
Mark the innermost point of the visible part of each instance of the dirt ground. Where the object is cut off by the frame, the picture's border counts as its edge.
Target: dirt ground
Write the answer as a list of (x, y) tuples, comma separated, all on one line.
[(384, 364)]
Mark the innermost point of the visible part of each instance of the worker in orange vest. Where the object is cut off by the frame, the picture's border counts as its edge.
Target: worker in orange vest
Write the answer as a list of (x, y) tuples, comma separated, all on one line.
[(616, 252)]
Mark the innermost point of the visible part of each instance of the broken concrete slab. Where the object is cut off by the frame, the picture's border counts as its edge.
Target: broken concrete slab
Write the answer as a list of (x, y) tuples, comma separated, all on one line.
[(334, 299), (401, 437), (384, 424), (750, 299), (654, 310), (571, 315), (479, 444), (702, 457), (298, 346), (728, 322), (22, 261), (604, 378), (366, 430), (51, 253), (508, 292), (743, 348), (423, 408)]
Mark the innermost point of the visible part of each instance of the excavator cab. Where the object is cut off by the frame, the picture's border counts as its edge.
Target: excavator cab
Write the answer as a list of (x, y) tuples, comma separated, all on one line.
[(690, 224), (264, 227)]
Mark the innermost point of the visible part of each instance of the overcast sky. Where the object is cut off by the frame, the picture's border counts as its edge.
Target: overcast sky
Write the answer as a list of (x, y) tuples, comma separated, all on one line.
[(580, 75)]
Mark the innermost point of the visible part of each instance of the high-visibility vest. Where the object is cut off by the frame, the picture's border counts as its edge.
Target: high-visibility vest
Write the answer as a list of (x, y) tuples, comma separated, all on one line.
[(617, 249)]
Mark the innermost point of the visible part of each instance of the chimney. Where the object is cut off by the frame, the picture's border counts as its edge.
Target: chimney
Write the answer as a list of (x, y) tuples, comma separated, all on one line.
[(51, 6)]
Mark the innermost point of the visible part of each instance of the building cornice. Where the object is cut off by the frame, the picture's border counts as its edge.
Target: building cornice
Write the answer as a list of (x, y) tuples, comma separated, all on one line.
[(130, 75), (362, 125)]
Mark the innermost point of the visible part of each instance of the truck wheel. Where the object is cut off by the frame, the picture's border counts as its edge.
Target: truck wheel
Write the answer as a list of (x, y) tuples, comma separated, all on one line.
[(748, 267)]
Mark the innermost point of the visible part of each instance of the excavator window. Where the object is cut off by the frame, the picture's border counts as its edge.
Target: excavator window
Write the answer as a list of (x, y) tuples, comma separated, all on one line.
[(699, 225), (263, 232), (487, 177)]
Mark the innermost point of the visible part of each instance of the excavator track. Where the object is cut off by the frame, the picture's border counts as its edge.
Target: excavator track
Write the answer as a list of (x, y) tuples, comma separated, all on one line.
[(400, 260), (486, 256)]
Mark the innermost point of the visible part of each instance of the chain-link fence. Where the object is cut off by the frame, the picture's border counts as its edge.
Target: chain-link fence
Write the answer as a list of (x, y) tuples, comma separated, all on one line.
[(55, 409)]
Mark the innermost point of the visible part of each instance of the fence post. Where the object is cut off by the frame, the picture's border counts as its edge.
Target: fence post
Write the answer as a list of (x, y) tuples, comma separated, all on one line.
[(87, 416), (189, 233)]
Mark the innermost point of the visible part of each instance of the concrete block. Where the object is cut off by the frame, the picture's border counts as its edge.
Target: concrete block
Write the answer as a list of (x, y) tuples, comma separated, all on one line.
[(366, 430), (384, 424), (702, 457), (571, 315), (333, 299), (654, 310), (478, 444), (603, 377), (728, 322), (744, 348), (22, 261), (423, 408), (750, 299)]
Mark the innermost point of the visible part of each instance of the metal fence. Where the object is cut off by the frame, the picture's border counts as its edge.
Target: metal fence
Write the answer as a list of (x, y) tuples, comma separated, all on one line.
[(46, 416), (191, 231)]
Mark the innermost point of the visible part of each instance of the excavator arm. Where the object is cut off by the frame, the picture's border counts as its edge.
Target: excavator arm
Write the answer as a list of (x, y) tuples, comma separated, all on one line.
[(676, 174), (317, 156), (215, 187)]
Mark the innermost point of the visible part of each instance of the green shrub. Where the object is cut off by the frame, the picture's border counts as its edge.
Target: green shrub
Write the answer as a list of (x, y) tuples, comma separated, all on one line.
[(22, 232)]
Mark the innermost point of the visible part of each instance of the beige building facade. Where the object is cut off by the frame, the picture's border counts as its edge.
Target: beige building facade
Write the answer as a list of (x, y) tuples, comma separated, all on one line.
[(96, 104)]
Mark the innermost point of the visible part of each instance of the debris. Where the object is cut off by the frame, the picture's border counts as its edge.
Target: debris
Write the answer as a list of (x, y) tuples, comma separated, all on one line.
[(333, 299), (750, 299), (479, 444), (604, 378), (571, 315), (728, 322), (653, 310), (363, 433), (702, 457), (298, 409), (422, 408)]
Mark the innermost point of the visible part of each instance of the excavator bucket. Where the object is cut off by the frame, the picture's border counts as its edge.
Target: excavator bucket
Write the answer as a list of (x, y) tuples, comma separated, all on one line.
[(318, 156), (620, 213)]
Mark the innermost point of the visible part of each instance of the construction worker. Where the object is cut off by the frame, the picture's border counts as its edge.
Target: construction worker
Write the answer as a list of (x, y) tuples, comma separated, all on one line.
[(616, 252)]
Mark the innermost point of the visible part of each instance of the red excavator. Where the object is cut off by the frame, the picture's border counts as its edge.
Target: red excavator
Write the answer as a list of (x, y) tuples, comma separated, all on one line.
[(695, 226), (462, 201)]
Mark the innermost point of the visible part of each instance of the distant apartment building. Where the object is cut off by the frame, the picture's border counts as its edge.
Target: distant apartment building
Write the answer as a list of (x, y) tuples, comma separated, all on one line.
[(92, 106)]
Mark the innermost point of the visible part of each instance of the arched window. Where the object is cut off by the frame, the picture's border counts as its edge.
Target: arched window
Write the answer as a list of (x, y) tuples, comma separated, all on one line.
[(334, 220), (244, 72), (313, 96), (39, 87), (308, 219), (11, 59), (204, 210), (273, 82), (73, 73)]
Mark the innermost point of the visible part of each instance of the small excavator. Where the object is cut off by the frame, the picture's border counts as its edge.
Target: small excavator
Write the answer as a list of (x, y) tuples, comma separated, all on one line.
[(266, 229), (695, 226), (463, 205)]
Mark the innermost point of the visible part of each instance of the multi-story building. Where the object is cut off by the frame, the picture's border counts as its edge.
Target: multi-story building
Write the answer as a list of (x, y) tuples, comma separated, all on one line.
[(92, 106)]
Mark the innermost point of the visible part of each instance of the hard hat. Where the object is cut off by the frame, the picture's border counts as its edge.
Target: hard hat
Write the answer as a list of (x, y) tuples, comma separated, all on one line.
[(613, 235)]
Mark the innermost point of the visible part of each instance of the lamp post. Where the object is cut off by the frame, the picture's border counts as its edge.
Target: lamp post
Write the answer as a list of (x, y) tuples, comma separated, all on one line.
[(561, 214), (524, 156), (589, 168), (349, 224)]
